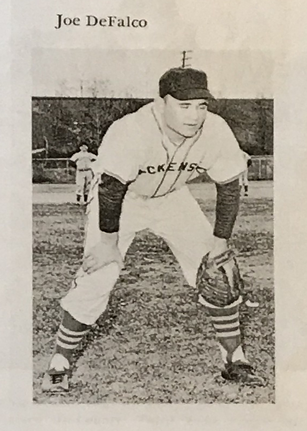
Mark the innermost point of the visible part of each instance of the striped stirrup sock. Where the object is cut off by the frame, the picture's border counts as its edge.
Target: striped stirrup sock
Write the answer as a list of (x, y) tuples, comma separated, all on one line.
[(69, 336), (226, 323)]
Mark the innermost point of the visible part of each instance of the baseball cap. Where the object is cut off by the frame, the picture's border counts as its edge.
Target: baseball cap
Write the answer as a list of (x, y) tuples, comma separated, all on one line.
[(84, 146), (184, 84)]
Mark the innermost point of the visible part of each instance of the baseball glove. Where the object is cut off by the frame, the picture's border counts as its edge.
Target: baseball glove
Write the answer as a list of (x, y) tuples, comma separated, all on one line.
[(218, 280)]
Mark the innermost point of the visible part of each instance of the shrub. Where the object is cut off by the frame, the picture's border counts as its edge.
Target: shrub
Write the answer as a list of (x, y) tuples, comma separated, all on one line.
[(40, 175)]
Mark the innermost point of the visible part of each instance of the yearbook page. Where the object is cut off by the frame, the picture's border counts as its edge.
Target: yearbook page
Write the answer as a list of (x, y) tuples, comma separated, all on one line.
[(156, 240)]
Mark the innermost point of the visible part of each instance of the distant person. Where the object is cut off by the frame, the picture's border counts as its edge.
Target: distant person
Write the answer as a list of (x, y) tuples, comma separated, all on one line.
[(83, 160), (243, 179)]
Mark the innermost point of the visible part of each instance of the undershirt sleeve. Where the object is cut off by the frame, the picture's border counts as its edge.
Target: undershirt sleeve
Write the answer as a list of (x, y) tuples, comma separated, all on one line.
[(111, 193), (227, 207)]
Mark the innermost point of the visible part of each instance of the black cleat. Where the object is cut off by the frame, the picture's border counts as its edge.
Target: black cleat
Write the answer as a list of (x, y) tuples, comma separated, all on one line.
[(242, 372)]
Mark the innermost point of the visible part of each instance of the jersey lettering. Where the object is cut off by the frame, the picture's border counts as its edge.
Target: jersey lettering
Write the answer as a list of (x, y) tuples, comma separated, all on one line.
[(171, 167), (192, 167), (183, 166), (200, 170), (151, 169)]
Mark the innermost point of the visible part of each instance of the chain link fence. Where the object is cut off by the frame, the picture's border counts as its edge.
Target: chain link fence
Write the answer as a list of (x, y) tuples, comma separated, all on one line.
[(52, 170)]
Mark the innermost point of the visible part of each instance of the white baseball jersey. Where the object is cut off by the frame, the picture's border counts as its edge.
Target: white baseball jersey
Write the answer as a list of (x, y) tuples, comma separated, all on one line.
[(83, 159), (135, 149)]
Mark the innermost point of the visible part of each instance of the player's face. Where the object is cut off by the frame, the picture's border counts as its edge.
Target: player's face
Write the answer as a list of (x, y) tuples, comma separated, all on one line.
[(185, 117)]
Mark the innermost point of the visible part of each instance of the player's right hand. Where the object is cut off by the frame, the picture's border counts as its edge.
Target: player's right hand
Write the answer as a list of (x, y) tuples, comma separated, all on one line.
[(102, 254)]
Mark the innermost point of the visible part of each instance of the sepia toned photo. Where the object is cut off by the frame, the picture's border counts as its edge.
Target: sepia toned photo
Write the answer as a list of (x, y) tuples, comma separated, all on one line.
[(153, 278)]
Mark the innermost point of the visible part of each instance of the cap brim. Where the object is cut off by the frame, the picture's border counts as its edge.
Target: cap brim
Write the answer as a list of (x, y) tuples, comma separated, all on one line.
[(193, 93)]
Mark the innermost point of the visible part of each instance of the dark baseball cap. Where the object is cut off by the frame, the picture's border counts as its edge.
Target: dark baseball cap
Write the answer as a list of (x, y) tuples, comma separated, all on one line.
[(184, 84)]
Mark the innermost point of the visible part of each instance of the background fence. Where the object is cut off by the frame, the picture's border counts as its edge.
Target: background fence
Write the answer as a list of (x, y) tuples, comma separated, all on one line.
[(262, 168), (60, 171)]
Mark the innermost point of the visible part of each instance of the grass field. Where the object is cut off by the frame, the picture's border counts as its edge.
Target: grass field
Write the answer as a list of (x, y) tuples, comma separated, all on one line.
[(155, 344)]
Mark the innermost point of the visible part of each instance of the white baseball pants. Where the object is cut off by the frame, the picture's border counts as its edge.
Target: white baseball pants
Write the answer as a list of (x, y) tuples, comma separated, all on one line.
[(177, 218), (243, 178), (83, 181)]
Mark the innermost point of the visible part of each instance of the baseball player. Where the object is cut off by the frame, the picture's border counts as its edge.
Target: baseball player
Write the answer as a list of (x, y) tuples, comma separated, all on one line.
[(83, 160), (144, 163), (243, 179)]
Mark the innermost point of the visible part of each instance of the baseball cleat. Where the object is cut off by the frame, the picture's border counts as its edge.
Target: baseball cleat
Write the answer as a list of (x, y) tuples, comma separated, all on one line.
[(56, 381), (241, 372), (56, 377)]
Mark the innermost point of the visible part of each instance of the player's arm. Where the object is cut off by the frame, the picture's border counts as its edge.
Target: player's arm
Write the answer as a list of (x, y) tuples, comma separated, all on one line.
[(118, 165), (226, 211), (73, 160), (111, 193), (225, 171)]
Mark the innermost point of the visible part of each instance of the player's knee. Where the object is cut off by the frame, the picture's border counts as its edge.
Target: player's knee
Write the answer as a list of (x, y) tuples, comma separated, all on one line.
[(103, 278)]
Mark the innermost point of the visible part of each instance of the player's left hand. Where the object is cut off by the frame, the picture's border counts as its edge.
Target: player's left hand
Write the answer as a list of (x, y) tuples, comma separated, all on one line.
[(219, 246)]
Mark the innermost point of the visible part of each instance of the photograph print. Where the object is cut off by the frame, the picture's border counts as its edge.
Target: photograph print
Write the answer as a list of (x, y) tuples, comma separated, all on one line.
[(152, 227)]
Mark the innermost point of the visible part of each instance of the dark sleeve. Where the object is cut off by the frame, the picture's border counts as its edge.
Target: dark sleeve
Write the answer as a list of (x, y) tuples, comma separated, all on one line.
[(111, 193), (227, 207)]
